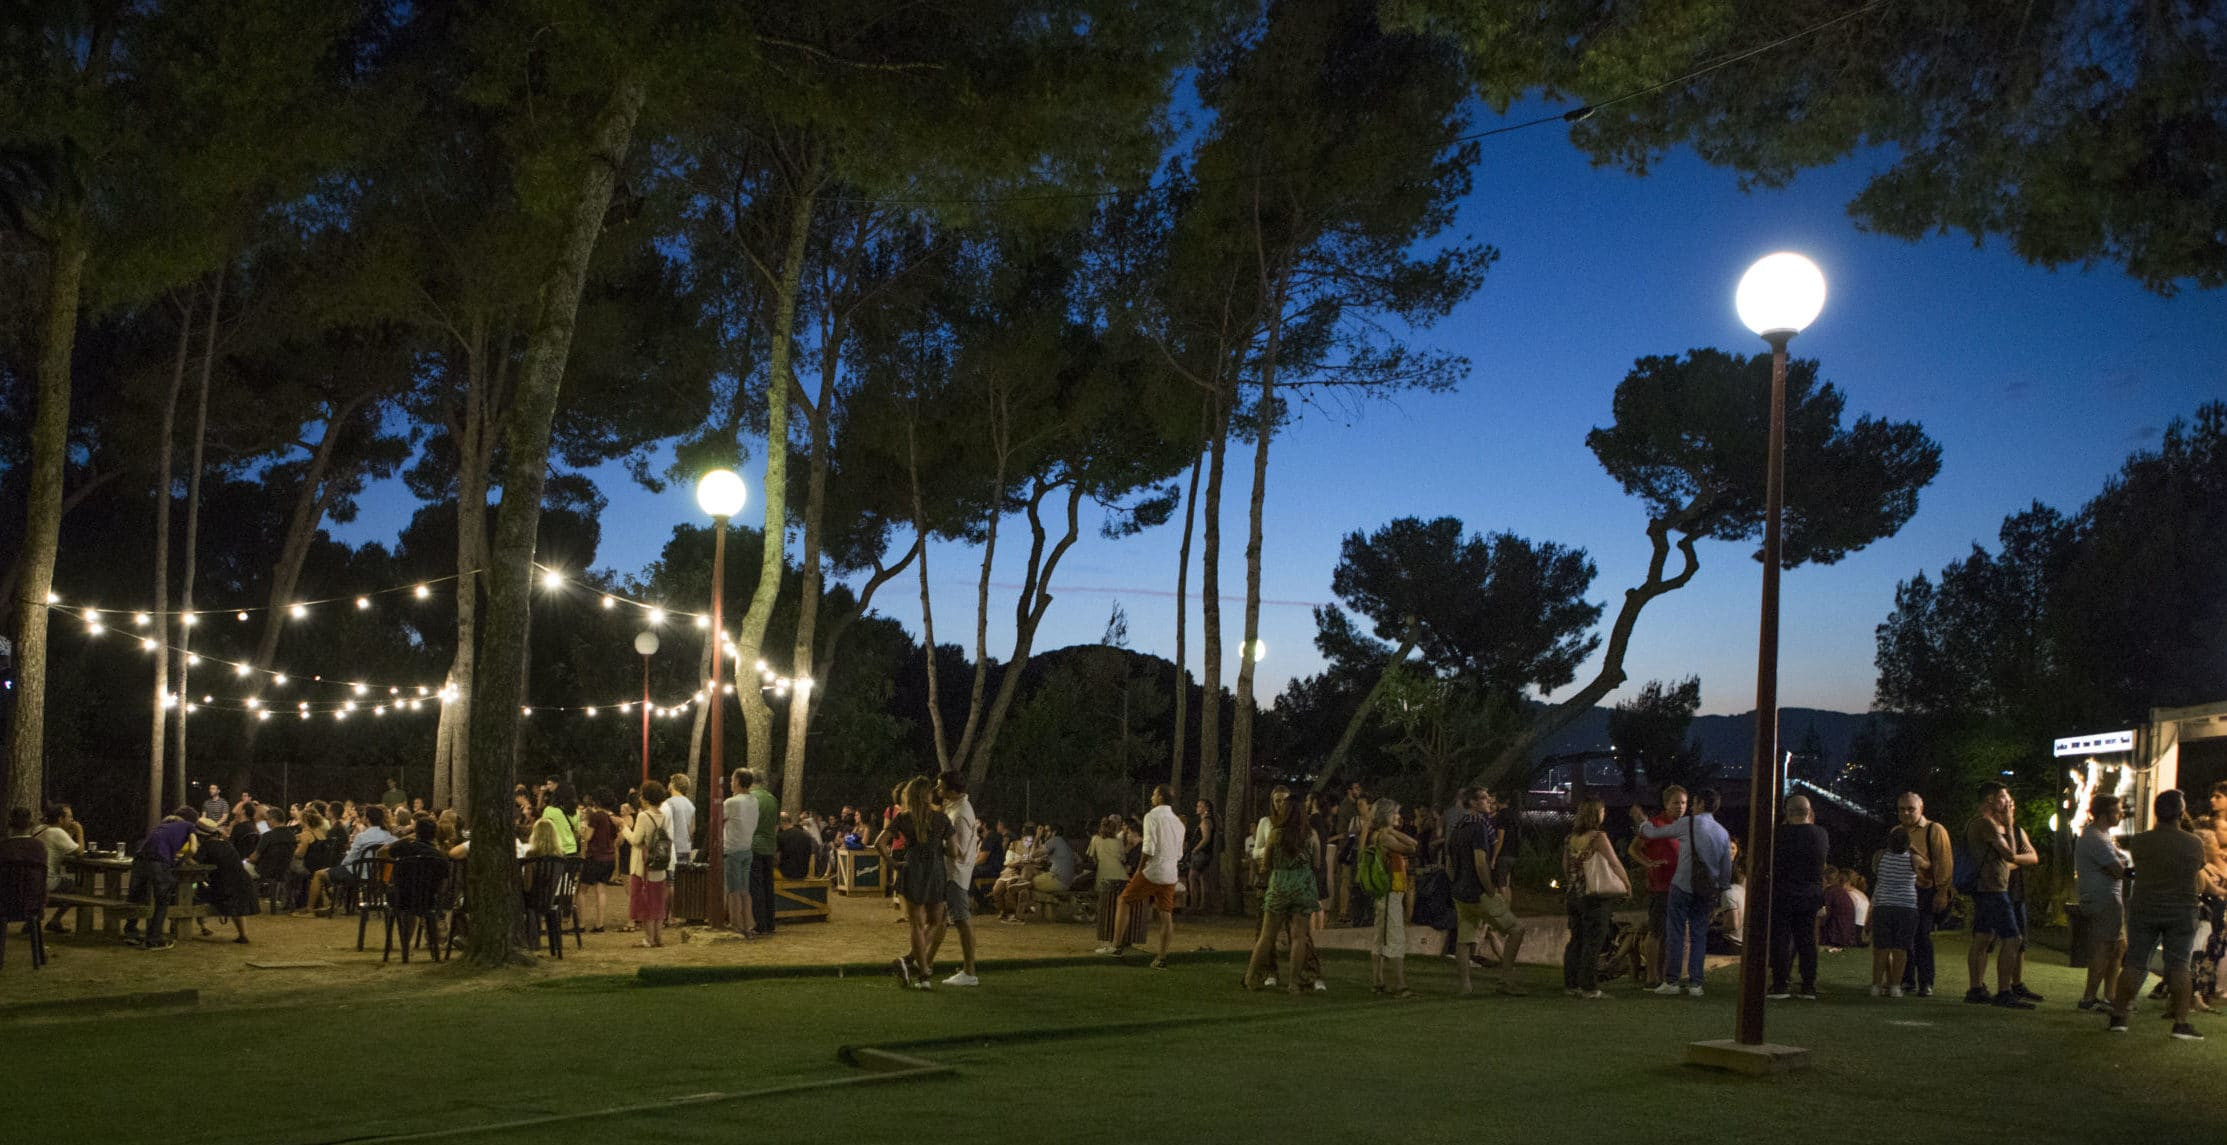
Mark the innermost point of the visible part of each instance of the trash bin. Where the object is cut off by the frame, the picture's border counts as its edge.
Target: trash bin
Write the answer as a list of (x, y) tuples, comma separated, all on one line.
[(2077, 919)]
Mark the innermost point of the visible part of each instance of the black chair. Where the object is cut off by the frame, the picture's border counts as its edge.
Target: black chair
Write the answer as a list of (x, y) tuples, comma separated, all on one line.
[(549, 885), (367, 892), (23, 895), (414, 898), (452, 904)]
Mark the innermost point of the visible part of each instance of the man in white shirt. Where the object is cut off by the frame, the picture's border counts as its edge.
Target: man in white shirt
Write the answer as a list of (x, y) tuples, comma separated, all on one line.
[(966, 835), (738, 822), (680, 812), (1155, 880), (2099, 877)]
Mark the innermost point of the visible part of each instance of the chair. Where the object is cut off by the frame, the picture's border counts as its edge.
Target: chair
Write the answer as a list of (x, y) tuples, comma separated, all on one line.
[(414, 897), (549, 885), (23, 894), (367, 891)]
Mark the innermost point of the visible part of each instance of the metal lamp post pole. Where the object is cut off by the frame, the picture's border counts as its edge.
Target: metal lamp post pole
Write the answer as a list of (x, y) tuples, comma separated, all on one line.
[(1764, 779), (645, 719), (715, 774)]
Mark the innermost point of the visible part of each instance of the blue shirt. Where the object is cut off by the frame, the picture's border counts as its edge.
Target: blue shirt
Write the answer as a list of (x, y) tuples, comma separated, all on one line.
[(367, 840), (1710, 842)]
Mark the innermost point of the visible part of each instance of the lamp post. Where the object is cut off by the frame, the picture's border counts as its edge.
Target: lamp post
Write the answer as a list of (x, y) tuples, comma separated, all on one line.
[(721, 494), (645, 643), (1778, 297)]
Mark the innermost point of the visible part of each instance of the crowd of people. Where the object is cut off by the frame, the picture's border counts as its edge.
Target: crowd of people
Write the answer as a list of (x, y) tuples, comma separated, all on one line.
[(1312, 860)]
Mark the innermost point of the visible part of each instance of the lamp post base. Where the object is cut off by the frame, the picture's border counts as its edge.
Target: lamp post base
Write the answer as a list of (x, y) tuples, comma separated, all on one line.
[(1756, 1061)]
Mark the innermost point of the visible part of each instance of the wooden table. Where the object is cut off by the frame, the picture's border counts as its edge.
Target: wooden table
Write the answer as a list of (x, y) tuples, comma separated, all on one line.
[(857, 871), (104, 884)]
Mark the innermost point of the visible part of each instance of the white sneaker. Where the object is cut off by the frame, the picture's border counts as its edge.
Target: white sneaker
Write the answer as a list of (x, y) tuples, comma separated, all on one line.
[(1894, 991), (1321, 987), (962, 978), (1105, 950), (1267, 982), (1668, 990), (1877, 992), (1694, 991)]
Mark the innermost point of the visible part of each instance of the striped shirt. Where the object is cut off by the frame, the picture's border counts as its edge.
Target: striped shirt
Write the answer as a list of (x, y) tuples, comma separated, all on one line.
[(1897, 882)]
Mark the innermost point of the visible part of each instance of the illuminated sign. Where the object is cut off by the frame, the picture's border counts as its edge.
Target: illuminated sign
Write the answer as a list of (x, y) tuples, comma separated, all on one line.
[(2096, 744)]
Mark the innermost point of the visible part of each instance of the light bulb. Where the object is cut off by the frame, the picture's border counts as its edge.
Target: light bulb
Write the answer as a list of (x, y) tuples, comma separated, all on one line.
[(253, 703), (91, 617), (625, 708), (208, 699), (349, 706), (279, 679), (92, 628), (147, 642), (394, 691), (304, 705), (552, 579), (1780, 295), (169, 701), (362, 602), (193, 658), (54, 598), (192, 708), (525, 711), (761, 665), (142, 619), (305, 715), (340, 715), (379, 710), (609, 602), (241, 669), (189, 620), (298, 611), (422, 592), (657, 616), (703, 622), (591, 713), (240, 616), (720, 493), (262, 715), (727, 688), (362, 688), (421, 689)]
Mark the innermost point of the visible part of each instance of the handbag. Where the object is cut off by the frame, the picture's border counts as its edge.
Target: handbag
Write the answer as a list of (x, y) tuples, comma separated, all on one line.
[(1603, 877)]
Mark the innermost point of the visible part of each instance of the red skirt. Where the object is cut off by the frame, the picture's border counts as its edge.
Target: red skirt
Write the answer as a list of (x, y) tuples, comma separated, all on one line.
[(645, 900)]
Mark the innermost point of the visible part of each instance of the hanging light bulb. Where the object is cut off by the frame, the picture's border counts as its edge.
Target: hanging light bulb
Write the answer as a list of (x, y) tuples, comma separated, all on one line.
[(609, 602), (362, 688), (552, 579), (241, 669), (91, 616), (761, 665), (421, 592), (304, 705), (394, 691), (279, 679), (92, 628), (240, 616), (142, 619), (349, 706), (169, 701), (727, 688), (147, 642), (298, 611), (54, 598), (657, 616), (591, 713), (208, 699), (421, 689), (305, 715), (193, 658), (703, 622), (262, 715), (380, 710), (525, 711), (363, 602), (192, 708), (340, 715), (189, 620), (625, 708), (253, 702)]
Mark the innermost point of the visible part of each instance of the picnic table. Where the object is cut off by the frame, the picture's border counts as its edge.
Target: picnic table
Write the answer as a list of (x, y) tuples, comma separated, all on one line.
[(104, 884)]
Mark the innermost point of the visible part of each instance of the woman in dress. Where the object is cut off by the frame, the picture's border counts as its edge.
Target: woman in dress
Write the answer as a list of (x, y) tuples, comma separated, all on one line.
[(1290, 902), (645, 885), (599, 842), (918, 839), (1588, 858), (1206, 840), (228, 890)]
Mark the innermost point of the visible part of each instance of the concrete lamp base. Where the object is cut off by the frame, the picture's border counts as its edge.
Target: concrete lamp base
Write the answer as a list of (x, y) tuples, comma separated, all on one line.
[(1756, 1061)]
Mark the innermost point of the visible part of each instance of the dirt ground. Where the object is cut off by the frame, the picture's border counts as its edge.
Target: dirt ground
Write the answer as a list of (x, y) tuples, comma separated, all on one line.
[(95, 965)]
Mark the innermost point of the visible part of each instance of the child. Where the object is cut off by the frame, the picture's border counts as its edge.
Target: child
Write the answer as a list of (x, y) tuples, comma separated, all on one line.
[(1894, 912)]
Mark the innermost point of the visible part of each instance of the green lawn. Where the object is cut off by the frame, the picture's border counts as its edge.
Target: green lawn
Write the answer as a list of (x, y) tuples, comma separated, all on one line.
[(1237, 1067)]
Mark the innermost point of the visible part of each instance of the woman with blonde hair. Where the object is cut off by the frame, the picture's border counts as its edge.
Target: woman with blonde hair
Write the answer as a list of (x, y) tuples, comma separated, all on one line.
[(924, 837), (1593, 880), (1390, 946), (1291, 900)]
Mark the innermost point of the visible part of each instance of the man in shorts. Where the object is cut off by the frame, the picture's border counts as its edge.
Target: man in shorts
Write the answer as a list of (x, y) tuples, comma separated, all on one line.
[(1999, 847), (966, 835), (1929, 840), (738, 822), (1155, 880), (2162, 912), (1477, 900), (1659, 858), (2099, 875)]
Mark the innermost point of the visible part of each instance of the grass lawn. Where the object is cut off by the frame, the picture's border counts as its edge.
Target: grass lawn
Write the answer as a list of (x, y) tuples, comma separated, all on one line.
[(1241, 1068)]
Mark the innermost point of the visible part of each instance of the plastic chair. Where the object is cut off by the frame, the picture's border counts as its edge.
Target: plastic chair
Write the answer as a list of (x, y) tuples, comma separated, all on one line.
[(549, 886), (367, 892), (414, 898), (23, 895)]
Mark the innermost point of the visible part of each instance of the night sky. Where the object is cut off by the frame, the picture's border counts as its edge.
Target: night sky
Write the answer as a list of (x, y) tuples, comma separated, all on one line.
[(2036, 384)]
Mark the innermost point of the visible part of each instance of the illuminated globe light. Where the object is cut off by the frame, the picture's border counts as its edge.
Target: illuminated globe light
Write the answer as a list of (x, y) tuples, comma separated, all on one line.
[(591, 713), (379, 710), (625, 708), (340, 715), (525, 711), (208, 699), (298, 611), (608, 602), (91, 616), (1780, 295), (240, 616), (421, 592), (92, 628), (363, 602), (645, 643), (703, 622), (193, 658), (305, 714), (262, 715), (362, 688), (720, 493)]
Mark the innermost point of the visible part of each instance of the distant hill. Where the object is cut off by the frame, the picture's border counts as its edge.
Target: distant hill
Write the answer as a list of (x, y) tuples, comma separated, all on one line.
[(1728, 741)]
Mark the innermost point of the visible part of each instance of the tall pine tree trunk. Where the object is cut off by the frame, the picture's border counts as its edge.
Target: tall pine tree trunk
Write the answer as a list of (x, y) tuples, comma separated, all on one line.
[(1179, 744), (42, 526), (193, 541), (808, 602), (757, 718), (927, 611), (493, 870), (1248, 661), (158, 740), (1210, 613), (451, 753)]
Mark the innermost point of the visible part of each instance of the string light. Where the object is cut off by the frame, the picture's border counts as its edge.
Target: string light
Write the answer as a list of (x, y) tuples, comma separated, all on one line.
[(362, 688), (380, 710), (192, 708), (298, 611), (625, 708), (169, 701), (193, 658), (147, 643), (262, 715), (240, 616), (208, 699), (253, 703), (591, 713), (525, 711), (91, 617), (142, 619), (54, 598), (422, 592), (340, 715), (279, 679), (657, 616), (552, 579), (349, 706), (362, 603), (92, 628), (305, 713), (703, 622), (241, 669), (189, 620)]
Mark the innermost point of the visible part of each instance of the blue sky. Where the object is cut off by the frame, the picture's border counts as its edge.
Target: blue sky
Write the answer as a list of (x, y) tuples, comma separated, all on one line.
[(2037, 384)]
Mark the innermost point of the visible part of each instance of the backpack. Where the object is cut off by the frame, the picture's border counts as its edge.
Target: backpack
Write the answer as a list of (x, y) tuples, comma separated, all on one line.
[(1371, 873), (1967, 877), (657, 850), (1704, 877)]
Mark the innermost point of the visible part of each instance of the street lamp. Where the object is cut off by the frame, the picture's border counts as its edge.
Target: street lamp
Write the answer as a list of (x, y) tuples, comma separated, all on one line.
[(1778, 297), (721, 494), (646, 644)]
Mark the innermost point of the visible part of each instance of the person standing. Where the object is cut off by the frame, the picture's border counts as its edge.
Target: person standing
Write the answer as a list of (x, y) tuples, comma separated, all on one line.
[(649, 861), (2161, 912), (920, 873), (1286, 907), (1478, 903), (680, 815), (1155, 879), (1388, 953), (2099, 879), (1797, 891), (214, 807), (154, 875), (1999, 847), (763, 840), (602, 851), (958, 869), (1935, 860), (392, 796), (1593, 879), (738, 823), (1704, 870), (1894, 916), (560, 813), (1659, 858), (1201, 865)]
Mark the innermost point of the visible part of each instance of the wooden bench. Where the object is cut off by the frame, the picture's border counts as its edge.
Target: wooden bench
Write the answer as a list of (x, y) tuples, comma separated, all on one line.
[(801, 900), (114, 912)]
